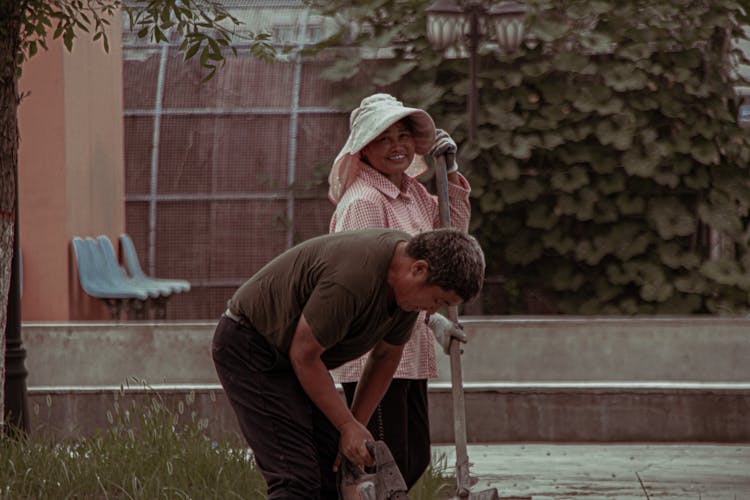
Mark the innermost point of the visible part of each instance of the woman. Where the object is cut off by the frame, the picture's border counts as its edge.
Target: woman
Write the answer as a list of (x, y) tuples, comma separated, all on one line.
[(373, 184)]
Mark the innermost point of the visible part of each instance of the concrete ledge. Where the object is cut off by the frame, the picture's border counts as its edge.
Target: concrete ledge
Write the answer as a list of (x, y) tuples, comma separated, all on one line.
[(498, 412), (63, 413), (679, 349), (108, 353), (596, 412), (652, 379), (612, 348)]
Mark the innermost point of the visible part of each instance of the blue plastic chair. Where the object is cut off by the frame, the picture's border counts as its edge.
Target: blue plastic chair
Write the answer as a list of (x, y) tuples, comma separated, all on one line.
[(93, 281), (116, 274), (133, 266)]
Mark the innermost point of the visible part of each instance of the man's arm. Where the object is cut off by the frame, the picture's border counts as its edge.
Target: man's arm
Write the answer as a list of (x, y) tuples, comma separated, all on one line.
[(376, 377), (304, 354)]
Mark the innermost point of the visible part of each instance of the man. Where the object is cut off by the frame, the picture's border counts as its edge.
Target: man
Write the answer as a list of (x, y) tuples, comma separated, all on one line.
[(316, 306)]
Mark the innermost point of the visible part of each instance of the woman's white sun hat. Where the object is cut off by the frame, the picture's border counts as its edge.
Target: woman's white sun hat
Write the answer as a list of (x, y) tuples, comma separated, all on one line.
[(373, 116)]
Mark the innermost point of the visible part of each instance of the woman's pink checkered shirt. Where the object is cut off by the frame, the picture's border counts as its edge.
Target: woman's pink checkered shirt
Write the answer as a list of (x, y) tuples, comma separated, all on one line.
[(373, 201)]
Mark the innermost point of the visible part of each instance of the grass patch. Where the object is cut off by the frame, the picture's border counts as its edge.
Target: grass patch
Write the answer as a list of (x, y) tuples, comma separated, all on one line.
[(147, 452), (150, 451), (435, 483)]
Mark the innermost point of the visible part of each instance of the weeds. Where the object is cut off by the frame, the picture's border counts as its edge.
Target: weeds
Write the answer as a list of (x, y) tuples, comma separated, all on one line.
[(148, 451), (435, 483)]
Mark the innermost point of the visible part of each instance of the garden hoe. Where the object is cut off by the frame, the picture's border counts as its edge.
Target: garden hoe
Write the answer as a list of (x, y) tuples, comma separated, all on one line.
[(385, 484), (463, 479)]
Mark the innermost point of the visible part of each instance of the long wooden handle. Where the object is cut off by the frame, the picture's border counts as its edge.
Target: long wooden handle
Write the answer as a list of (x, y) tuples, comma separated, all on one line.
[(463, 478)]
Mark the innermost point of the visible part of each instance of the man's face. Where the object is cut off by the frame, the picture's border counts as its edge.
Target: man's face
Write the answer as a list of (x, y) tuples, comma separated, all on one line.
[(413, 294)]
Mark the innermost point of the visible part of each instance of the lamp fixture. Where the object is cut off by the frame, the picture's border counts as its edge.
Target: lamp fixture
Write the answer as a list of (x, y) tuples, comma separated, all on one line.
[(449, 22), (470, 21)]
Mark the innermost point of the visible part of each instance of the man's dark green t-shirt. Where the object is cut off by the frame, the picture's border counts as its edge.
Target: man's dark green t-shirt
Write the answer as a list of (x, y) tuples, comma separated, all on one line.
[(339, 282)]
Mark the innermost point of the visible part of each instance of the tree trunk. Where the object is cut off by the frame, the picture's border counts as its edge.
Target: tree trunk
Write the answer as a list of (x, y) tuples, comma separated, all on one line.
[(10, 16)]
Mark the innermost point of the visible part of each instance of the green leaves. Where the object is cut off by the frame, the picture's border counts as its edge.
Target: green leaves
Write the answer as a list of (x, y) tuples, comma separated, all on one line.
[(726, 271), (638, 162), (341, 69), (205, 27), (397, 72), (570, 180), (623, 76), (68, 19), (670, 217), (548, 30), (607, 151), (616, 130), (505, 168)]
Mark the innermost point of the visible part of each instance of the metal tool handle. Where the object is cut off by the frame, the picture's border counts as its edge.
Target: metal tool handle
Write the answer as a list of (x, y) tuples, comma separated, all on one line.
[(463, 478)]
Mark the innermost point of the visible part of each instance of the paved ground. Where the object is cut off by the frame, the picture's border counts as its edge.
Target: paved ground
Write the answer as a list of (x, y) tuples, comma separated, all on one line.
[(553, 471)]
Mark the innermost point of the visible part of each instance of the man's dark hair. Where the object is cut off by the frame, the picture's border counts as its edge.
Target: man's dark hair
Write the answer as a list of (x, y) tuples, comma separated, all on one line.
[(456, 260)]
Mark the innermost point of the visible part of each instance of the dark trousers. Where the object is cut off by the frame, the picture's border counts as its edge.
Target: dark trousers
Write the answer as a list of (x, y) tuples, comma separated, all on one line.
[(402, 421), (293, 443)]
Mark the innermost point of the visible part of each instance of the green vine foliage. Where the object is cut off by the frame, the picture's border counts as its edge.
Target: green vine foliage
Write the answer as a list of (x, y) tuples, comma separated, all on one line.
[(609, 174)]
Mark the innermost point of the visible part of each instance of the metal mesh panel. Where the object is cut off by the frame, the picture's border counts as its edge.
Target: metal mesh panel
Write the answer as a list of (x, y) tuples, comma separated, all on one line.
[(216, 242), (256, 233), (139, 132), (200, 303), (136, 225), (312, 218), (240, 163), (183, 240), (223, 154), (319, 139), (242, 82), (316, 91), (139, 75)]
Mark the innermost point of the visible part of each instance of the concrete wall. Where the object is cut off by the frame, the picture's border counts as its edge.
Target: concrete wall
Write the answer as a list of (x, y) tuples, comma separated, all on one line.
[(564, 348), (109, 353), (512, 349), (71, 169), (525, 379), (501, 413)]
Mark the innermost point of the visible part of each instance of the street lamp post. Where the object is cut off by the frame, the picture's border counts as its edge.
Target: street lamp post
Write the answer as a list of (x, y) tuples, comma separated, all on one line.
[(448, 22), (16, 401)]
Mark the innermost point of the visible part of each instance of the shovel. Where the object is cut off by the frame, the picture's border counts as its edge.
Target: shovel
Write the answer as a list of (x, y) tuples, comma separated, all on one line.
[(463, 479)]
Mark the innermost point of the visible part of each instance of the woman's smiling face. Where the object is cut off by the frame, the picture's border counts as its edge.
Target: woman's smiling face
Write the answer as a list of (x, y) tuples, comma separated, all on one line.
[(391, 152)]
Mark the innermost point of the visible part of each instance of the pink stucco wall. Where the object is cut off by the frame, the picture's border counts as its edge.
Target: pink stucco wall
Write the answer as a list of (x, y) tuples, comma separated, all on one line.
[(71, 170)]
